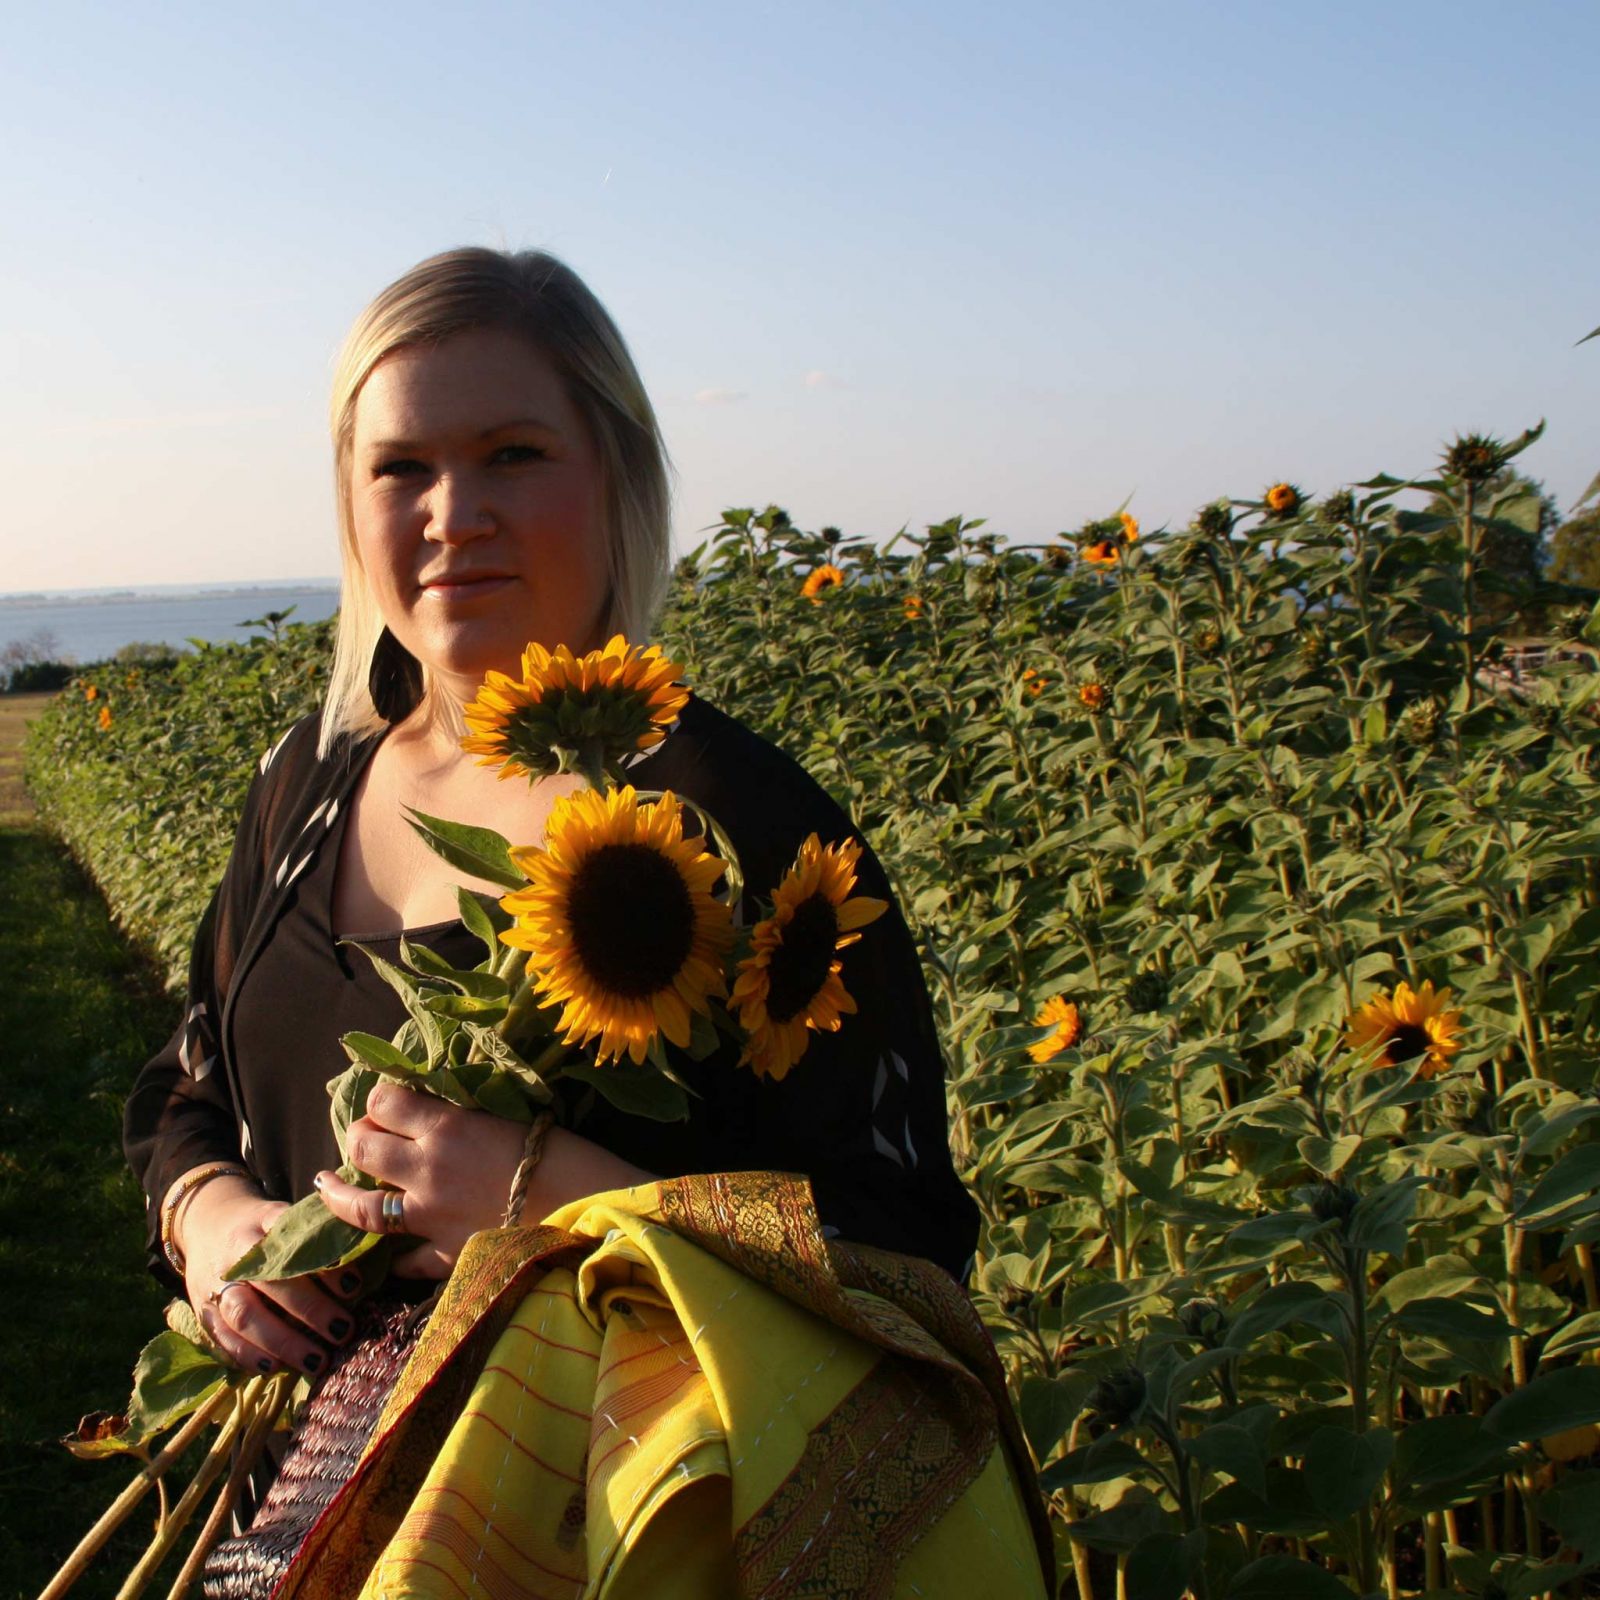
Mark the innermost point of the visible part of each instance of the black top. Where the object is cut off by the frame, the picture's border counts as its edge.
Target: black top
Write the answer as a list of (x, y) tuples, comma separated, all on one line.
[(862, 1114)]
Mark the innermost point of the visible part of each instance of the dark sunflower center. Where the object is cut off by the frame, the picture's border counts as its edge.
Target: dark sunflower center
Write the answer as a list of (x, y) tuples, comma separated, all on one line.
[(632, 920), (800, 964), (1408, 1041)]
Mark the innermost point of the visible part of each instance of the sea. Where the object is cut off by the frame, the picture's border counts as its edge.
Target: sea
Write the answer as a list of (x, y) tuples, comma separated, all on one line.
[(88, 625)]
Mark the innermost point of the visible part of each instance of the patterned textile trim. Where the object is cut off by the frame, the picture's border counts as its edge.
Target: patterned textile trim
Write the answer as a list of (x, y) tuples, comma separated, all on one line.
[(477, 1302), (764, 1224), (883, 1466), (948, 1321)]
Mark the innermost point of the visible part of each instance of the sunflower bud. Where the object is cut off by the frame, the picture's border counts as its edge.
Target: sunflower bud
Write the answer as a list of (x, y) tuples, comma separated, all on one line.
[(1474, 457), (1419, 723), (831, 536), (1339, 509), (1333, 1202), (1094, 696), (1203, 1319), (1214, 521), (1207, 639), (1056, 558), (1147, 992), (1569, 622), (1283, 500), (1543, 714), (1313, 647), (986, 544), (1117, 1398)]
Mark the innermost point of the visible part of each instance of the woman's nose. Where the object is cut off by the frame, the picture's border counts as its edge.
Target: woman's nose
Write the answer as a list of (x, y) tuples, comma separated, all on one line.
[(458, 509)]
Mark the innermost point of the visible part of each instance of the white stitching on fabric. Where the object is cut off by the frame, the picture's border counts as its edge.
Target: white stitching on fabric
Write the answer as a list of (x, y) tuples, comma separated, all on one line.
[(523, 1391), (840, 1487), (789, 1399), (994, 1533)]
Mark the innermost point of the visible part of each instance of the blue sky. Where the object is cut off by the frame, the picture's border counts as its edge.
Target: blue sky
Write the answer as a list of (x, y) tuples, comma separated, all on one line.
[(878, 263)]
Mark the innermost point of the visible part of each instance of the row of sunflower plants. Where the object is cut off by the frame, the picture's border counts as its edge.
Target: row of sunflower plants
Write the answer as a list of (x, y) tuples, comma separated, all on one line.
[(142, 769), (1263, 939), (1261, 934)]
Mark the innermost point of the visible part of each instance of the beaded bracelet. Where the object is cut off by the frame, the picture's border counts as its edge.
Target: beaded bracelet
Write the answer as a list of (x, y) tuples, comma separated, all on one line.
[(184, 1187), (532, 1149)]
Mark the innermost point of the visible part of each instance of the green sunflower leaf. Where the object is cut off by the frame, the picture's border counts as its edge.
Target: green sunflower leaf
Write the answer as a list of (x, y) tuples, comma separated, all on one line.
[(480, 851), (640, 1091), (172, 1378)]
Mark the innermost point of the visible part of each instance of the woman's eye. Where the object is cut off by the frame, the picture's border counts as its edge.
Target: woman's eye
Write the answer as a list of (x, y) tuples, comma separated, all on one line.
[(514, 453), (396, 468)]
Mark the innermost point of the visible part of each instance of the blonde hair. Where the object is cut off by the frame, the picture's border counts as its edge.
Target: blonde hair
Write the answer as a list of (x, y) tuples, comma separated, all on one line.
[(542, 299)]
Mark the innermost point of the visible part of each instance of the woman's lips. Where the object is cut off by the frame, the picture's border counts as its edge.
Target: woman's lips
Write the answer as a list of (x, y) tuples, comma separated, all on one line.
[(463, 588)]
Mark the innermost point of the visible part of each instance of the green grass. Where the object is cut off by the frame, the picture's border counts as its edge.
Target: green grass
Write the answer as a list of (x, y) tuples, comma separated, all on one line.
[(79, 1013)]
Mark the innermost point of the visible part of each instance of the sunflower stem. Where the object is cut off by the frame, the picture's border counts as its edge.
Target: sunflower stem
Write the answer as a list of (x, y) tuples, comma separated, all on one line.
[(95, 1539)]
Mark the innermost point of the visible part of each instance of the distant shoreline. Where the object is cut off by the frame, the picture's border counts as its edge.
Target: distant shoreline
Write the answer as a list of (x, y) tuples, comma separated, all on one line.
[(145, 593)]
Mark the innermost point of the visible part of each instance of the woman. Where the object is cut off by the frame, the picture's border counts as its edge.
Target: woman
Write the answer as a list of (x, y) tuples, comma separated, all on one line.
[(500, 479)]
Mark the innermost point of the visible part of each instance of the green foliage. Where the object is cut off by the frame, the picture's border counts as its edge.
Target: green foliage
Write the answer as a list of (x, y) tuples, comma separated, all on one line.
[(1575, 550), (1263, 1296), (149, 801)]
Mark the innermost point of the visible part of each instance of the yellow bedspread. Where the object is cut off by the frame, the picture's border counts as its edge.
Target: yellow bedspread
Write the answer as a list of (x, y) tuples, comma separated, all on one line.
[(682, 1390)]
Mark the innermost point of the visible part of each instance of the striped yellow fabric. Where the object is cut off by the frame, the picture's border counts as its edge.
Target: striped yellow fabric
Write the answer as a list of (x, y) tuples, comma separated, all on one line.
[(640, 1431)]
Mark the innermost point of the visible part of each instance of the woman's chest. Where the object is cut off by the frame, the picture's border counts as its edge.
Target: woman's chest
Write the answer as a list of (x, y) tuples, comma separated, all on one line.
[(387, 878)]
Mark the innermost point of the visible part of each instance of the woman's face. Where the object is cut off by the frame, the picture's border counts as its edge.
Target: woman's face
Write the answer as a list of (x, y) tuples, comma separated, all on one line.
[(477, 505)]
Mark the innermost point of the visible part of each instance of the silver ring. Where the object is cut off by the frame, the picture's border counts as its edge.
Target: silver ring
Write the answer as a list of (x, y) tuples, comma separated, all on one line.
[(394, 1211)]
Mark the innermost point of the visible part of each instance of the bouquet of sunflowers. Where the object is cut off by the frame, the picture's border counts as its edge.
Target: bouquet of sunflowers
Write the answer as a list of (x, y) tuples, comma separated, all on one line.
[(616, 938)]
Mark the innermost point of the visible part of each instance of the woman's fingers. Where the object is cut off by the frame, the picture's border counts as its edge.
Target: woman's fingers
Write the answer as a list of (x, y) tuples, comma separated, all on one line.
[(345, 1282), (389, 1157), (244, 1323), (310, 1305), (426, 1261), (406, 1112), (363, 1208)]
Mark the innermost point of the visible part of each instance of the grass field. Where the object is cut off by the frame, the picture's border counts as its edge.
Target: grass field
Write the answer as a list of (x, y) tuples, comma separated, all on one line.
[(16, 711), (78, 1013)]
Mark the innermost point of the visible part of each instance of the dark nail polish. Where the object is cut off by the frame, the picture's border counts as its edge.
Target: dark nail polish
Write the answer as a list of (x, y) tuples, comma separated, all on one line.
[(312, 1363), (350, 1282), (339, 1328), (263, 1365)]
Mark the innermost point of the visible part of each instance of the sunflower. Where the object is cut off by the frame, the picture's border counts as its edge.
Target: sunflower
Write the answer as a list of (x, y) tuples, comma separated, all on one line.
[(1093, 696), (826, 576), (1415, 1028), (1034, 682), (790, 981), (913, 607), (572, 713), (1283, 499), (1130, 527), (90, 692), (105, 717), (1063, 1017), (619, 921), (1102, 553)]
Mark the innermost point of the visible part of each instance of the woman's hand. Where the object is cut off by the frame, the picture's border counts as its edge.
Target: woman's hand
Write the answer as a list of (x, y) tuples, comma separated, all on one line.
[(261, 1326), (453, 1169)]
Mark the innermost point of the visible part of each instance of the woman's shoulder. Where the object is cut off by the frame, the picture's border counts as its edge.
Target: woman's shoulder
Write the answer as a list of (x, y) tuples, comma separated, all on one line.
[(765, 799), (293, 782), (294, 753)]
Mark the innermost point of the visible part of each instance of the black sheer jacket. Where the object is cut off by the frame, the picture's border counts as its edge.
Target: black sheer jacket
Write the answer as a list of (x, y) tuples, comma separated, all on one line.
[(862, 1115)]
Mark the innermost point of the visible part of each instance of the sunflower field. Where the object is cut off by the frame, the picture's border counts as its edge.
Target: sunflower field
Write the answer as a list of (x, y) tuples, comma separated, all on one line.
[(1260, 908)]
